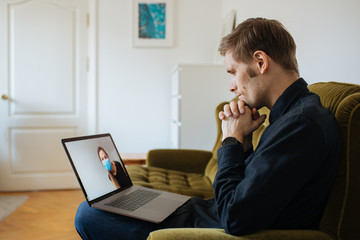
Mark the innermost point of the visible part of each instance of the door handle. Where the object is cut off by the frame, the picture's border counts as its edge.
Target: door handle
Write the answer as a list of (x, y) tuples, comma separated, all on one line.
[(4, 97)]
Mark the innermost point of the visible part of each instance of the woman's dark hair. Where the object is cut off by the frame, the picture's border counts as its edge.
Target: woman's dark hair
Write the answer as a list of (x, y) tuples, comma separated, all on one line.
[(101, 149)]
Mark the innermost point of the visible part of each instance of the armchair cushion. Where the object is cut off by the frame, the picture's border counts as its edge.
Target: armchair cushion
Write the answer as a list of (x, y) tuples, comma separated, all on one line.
[(191, 184), (175, 170)]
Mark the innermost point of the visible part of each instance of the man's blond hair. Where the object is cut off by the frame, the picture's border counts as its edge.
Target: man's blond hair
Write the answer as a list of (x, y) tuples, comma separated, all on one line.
[(262, 34)]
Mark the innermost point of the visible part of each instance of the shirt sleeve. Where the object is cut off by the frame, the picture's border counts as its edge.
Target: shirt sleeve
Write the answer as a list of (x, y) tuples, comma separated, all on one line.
[(251, 193)]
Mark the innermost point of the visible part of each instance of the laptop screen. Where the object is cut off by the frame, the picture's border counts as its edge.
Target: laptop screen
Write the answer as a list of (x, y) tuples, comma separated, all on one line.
[(97, 164)]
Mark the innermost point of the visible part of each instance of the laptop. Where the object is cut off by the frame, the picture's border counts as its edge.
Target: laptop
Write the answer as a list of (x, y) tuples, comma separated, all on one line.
[(106, 183)]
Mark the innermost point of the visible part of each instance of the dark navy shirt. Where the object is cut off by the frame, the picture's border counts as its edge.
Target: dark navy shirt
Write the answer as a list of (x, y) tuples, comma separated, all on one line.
[(285, 183)]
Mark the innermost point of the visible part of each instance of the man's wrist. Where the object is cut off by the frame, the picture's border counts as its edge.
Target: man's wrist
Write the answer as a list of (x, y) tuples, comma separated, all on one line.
[(230, 141)]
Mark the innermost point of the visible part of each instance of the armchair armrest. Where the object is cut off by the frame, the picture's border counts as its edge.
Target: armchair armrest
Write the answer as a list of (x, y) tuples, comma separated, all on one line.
[(190, 233), (219, 234), (191, 161)]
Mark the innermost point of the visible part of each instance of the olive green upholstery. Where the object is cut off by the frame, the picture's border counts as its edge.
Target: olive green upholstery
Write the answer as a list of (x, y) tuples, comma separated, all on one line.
[(342, 216), (179, 171), (192, 172), (219, 234)]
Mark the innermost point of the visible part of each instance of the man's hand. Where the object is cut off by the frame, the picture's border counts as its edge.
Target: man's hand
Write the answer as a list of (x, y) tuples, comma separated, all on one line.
[(240, 122)]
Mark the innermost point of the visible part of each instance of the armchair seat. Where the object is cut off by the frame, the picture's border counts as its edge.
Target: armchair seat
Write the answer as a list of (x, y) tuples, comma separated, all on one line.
[(175, 170), (191, 184)]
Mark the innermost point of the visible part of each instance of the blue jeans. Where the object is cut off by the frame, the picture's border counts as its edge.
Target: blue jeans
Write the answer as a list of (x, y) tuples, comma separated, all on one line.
[(93, 223)]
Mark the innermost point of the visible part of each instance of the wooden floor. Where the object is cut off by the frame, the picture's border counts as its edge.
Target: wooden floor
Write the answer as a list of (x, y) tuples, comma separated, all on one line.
[(46, 215)]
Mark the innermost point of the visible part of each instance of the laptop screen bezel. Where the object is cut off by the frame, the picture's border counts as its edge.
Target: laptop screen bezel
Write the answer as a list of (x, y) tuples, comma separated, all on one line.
[(81, 138)]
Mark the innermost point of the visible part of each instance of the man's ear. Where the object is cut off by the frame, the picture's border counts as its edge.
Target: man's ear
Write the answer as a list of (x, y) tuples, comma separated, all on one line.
[(262, 60)]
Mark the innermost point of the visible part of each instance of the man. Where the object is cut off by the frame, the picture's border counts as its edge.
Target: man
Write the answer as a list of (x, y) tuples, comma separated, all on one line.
[(286, 181)]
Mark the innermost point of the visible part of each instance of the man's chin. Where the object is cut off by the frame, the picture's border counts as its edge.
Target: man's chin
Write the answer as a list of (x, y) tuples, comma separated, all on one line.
[(250, 105)]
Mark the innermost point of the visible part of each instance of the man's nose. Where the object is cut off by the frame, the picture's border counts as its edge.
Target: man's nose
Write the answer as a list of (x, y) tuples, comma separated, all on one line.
[(232, 87)]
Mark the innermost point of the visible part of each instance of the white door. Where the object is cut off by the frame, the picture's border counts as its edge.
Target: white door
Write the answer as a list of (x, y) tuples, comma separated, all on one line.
[(43, 88)]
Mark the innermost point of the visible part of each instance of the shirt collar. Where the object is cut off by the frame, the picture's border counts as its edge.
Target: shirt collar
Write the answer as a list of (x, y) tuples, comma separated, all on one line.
[(287, 98)]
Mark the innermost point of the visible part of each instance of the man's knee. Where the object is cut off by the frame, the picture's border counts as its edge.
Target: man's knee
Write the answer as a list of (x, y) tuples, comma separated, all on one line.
[(82, 217), (92, 223)]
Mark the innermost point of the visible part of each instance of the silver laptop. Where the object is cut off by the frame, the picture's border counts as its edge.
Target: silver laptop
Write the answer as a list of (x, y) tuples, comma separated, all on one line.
[(106, 183)]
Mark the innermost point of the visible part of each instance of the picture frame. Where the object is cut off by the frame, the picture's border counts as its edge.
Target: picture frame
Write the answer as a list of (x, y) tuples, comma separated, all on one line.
[(227, 26), (153, 23)]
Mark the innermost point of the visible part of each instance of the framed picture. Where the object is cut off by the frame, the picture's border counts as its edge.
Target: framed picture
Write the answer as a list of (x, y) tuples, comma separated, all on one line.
[(153, 23), (228, 25)]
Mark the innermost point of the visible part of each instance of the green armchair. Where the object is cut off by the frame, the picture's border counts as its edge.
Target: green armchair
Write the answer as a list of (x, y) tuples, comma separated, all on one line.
[(192, 172)]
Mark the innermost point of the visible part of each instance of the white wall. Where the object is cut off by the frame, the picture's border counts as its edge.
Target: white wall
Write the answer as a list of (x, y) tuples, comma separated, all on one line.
[(327, 33), (134, 83)]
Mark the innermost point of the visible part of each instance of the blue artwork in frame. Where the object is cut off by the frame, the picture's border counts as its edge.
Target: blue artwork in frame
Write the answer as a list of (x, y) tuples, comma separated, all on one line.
[(152, 20), (153, 23)]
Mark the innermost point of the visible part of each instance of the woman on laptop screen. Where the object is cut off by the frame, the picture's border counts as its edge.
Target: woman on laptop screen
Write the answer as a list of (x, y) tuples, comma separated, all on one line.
[(116, 169)]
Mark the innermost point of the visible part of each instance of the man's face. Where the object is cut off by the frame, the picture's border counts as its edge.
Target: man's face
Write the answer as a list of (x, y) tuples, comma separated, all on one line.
[(102, 155), (245, 82)]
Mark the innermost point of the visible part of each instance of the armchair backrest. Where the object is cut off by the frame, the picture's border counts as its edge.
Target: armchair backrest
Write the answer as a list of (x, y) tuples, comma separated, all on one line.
[(342, 214)]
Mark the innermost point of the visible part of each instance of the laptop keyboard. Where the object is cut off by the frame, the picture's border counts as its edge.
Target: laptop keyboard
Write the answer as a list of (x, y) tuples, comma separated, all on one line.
[(133, 200)]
